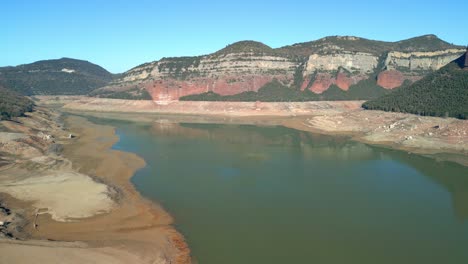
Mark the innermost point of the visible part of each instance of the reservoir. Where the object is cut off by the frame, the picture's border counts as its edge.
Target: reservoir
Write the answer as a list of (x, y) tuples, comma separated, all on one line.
[(266, 194)]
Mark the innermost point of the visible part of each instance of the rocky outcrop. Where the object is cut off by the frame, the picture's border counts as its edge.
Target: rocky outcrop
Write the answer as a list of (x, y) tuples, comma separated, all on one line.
[(352, 62), (390, 79), (420, 61), (172, 89), (320, 82), (342, 69), (172, 78), (247, 66)]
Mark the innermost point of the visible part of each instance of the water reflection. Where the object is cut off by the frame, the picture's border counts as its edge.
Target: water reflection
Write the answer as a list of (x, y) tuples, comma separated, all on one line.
[(308, 146)]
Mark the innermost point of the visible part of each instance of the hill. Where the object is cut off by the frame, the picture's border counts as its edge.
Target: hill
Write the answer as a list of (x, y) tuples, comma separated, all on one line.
[(247, 46), (13, 105), (442, 93), (55, 77), (425, 43)]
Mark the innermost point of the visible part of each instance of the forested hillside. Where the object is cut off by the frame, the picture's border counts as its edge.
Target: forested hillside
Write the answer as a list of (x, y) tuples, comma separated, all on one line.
[(55, 77), (442, 93)]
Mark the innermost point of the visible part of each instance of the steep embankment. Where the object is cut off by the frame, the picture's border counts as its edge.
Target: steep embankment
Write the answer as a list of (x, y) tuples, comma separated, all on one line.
[(49, 77), (332, 68), (442, 93)]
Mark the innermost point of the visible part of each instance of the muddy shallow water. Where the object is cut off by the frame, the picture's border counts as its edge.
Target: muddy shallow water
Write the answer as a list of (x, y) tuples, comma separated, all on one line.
[(251, 194)]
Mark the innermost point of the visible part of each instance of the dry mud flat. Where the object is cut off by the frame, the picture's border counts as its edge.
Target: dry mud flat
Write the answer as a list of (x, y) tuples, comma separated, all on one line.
[(239, 109), (417, 134), (75, 204), (424, 135)]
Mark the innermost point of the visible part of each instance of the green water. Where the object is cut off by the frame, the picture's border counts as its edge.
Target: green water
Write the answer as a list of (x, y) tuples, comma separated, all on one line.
[(247, 194)]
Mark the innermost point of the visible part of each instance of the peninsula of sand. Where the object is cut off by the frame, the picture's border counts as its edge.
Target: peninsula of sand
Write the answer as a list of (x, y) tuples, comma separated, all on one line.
[(65, 197)]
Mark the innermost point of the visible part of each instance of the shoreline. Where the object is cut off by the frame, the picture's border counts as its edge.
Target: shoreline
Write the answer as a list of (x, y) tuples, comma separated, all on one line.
[(453, 153), (135, 229), (132, 230), (407, 132)]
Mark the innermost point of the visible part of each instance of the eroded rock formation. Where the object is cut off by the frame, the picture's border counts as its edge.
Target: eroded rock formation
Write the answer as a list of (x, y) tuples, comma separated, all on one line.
[(247, 66)]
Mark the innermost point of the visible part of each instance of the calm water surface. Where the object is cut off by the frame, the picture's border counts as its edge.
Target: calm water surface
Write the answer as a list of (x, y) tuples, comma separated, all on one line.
[(247, 194)]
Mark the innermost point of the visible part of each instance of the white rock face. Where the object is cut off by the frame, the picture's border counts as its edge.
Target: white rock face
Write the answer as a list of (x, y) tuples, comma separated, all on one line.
[(237, 63), (245, 63), (240, 64), (366, 63), (212, 66), (139, 73), (68, 70), (421, 60), (361, 62)]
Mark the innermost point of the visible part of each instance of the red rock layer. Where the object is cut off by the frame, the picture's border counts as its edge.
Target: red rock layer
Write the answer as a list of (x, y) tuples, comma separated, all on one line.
[(343, 81), (390, 79), (305, 84), (323, 81), (170, 89)]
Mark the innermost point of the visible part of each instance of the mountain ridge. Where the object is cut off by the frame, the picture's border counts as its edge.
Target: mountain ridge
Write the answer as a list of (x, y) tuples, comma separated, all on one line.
[(247, 66), (339, 63)]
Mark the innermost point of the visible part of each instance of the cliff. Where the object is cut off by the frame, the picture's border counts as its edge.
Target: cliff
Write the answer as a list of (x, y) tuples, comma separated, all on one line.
[(245, 67)]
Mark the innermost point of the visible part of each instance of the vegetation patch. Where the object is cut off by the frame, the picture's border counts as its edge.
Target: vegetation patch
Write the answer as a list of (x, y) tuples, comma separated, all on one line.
[(13, 105), (442, 93), (275, 91), (132, 94), (55, 77)]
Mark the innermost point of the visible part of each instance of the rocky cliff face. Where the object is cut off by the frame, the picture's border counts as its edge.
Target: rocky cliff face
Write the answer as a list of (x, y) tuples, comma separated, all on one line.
[(401, 66), (224, 74), (396, 67), (247, 66)]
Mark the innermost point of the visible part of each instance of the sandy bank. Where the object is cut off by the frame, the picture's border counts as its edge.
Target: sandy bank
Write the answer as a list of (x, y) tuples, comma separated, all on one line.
[(61, 252), (209, 108), (88, 184), (63, 195)]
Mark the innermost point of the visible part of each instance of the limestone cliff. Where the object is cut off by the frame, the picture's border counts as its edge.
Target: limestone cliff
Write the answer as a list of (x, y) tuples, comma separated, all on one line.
[(247, 66), (222, 73)]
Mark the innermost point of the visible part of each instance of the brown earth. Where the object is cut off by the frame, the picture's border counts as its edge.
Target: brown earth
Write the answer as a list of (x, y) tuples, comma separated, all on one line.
[(134, 231)]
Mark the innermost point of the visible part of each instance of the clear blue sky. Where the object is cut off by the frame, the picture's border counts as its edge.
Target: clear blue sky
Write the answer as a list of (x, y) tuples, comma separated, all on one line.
[(119, 35)]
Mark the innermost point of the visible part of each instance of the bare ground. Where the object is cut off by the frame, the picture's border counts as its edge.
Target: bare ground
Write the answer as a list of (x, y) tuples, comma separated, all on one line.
[(78, 192)]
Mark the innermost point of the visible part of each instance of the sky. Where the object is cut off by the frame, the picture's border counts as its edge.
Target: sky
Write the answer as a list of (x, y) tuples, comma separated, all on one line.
[(119, 35)]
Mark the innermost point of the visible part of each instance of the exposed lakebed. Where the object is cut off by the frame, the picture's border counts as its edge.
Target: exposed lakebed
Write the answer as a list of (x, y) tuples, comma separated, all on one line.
[(250, 194)]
